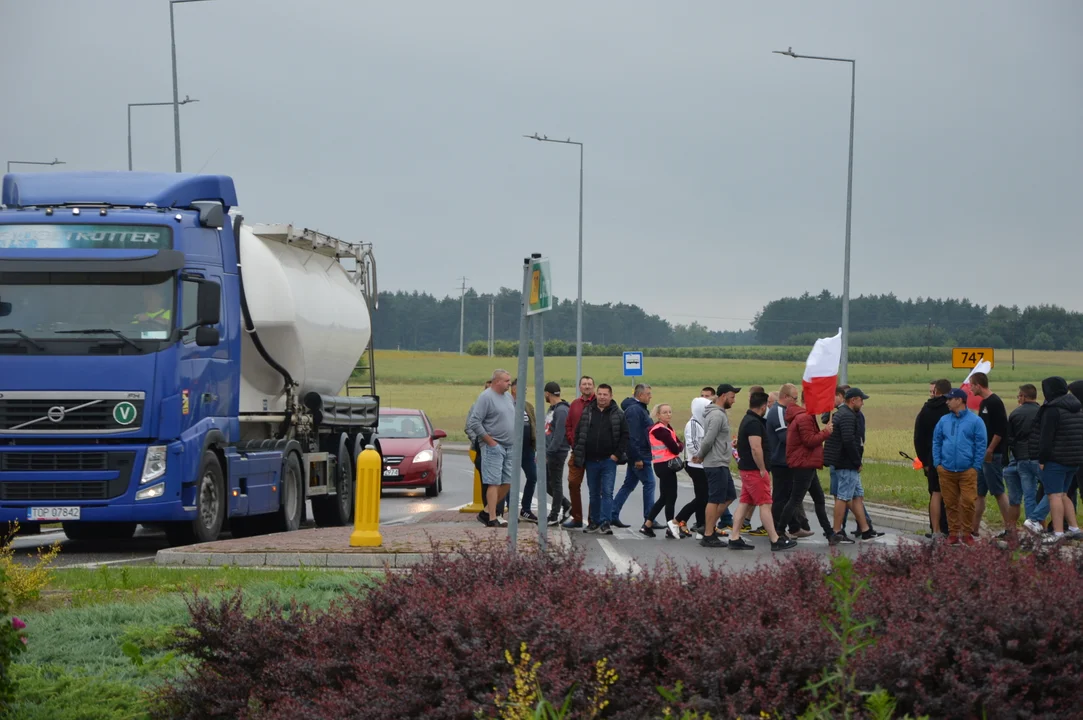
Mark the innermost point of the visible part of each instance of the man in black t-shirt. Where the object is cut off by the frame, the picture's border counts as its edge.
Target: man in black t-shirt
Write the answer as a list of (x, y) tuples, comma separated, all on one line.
[(991, 478)]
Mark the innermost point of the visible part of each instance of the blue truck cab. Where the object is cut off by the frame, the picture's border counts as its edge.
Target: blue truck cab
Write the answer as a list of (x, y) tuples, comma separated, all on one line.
[(123, 322)]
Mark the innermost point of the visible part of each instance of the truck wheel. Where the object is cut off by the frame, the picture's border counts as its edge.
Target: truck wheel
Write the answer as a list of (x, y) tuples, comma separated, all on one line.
[(337, 510), (99, 530), (291, 512), (210, 506)]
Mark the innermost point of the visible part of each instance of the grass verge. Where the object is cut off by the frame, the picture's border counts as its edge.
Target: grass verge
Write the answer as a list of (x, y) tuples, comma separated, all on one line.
[(99, 638)]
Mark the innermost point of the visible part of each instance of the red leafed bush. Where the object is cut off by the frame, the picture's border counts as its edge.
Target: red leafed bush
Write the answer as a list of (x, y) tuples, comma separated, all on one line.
[(957, 630), (962, 632)]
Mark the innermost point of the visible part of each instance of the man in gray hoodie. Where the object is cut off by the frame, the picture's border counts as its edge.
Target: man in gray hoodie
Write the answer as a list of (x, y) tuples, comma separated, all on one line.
[(556, 452), (715, 453), (492, 422)]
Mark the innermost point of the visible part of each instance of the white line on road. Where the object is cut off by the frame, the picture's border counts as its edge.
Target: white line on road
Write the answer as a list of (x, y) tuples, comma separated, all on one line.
[(623, 563), (93, 565)]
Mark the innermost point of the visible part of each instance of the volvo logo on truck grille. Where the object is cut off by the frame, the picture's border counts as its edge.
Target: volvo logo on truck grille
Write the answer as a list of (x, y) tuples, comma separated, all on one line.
[(49, 413)]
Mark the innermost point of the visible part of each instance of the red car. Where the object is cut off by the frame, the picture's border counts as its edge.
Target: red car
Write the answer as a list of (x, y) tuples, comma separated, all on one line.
[(413, 456)]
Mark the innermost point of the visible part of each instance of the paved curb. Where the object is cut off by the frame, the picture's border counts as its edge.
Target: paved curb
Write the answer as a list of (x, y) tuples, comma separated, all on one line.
[(178, 557)]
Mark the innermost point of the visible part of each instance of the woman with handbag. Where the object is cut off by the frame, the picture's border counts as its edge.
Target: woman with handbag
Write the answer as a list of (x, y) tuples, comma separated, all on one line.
[(666, 450)]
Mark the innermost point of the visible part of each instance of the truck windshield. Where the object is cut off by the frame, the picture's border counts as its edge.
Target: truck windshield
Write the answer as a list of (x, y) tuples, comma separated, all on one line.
[(69, 306)]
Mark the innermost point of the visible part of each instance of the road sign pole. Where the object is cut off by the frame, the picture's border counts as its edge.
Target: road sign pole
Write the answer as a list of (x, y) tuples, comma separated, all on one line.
[(542, 486), (520, 409)]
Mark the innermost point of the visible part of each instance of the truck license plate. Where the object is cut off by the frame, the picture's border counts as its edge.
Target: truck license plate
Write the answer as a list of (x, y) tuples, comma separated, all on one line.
[(52, 513), (391, 472)]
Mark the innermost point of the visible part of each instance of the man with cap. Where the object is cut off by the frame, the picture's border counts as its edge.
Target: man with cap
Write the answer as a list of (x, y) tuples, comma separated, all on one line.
[(959, 444), (556, 452), (844, 450), (714, 454)]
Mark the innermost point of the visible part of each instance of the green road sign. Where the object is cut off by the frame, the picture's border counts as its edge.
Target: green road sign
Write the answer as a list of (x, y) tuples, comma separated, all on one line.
[(541, 294), (124, 413)]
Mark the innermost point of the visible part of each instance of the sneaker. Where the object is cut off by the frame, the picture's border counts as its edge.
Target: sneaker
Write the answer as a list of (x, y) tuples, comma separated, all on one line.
[(647, 530), (591, 529), (802, 534), (501, 522), (1076, 534), (674, 529), (483, 518), (741, 544), (1033, 526), (685, 532), (605, 529), (761, 531), (552, 521), (841, 539), (712, 541), (953, 540), (870, 534), (1052, 538), (783, 543), (615, 522), (725, 529), (970, 541), (670, 535), (747, 527), (936, 536), (527, 516), (572, 524)]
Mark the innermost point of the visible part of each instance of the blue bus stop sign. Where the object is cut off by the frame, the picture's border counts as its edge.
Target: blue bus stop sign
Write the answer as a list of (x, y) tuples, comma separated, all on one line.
[(633, 364)]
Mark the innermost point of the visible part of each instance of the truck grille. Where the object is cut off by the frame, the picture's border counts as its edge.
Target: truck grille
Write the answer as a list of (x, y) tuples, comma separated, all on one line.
[(66, 415), (53, 461), (91, 490)]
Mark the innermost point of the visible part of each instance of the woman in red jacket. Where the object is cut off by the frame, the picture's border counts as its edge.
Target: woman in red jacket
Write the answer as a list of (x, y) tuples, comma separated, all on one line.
[(805, 455), (665, 446)]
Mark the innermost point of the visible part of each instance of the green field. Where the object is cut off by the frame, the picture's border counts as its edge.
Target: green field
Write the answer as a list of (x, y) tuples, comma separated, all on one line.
[(445, 384)]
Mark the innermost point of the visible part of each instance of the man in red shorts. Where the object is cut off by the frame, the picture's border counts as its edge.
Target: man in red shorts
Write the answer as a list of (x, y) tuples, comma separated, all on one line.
[(755, 480)]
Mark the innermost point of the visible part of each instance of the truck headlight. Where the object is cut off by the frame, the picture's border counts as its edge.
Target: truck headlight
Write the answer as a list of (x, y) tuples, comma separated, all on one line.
[(153, 491), (423, 456), (154, 464)]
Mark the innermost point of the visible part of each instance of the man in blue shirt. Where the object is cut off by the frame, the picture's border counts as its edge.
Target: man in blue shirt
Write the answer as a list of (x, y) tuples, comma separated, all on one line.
[(959, 445)]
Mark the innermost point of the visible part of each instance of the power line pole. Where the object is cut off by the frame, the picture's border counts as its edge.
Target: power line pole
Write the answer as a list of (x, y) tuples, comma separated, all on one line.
[(462, 314)]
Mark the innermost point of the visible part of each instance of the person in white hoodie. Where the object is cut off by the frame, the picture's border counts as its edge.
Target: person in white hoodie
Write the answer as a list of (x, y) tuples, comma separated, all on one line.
[(693, 435)]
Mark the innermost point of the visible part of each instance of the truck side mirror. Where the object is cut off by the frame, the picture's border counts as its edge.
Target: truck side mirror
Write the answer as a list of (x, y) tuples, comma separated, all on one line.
[(5, 309), (209, 304), (207, 336), (211, 214)]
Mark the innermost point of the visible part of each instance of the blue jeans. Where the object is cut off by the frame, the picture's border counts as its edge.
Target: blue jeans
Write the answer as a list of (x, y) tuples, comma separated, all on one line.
[(632, 477), (1021, 477), (529, 464), (601, 475)]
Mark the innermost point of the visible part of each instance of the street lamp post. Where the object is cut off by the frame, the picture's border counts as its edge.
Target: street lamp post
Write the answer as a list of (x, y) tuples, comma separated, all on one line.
[(579, 300), (33, 162), (844, 360), (176, 101), (185, 101)]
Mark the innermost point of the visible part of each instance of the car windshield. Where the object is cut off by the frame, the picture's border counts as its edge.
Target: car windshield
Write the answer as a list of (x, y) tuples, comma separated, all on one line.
[(402, 426), (64, 305)]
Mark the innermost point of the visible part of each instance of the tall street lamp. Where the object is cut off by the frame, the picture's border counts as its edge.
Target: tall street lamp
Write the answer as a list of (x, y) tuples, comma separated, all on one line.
[(844, 360), (579, 301), (33, 162), (185, 101), (176, 101)]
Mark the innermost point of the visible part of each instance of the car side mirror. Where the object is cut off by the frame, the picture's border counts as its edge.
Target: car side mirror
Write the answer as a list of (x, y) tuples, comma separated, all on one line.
[(438, 434), (207, 336), (208, 304)]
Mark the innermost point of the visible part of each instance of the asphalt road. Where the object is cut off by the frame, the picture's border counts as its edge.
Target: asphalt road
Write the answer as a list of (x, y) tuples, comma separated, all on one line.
[(625, 550), (396, 507)]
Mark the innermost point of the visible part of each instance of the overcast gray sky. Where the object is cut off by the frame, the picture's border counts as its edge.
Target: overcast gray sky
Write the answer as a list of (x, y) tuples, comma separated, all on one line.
[(715, 171)]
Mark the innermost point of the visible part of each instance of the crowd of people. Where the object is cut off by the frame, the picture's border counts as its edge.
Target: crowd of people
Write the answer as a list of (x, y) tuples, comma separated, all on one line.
[(1029, 461), (1030, 458)]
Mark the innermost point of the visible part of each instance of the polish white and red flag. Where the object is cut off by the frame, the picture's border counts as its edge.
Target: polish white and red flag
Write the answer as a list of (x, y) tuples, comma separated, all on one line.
[(822, 374), (974, 401)]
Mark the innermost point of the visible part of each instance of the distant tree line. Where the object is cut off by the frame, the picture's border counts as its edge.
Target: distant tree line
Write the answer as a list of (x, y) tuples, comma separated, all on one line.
[(886, 321), (420, 321)]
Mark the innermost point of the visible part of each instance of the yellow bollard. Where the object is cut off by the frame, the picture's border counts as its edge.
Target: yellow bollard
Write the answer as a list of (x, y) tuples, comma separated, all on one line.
[(479, 503), (366, 517)]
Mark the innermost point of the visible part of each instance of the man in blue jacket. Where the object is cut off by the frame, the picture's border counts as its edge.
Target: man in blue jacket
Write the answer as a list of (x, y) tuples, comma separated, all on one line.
[(640, 468), (959, 444)]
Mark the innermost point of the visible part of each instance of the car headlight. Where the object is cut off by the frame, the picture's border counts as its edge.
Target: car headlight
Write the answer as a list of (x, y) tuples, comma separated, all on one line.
[(153, 491), (423, 456), (154, 464)]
